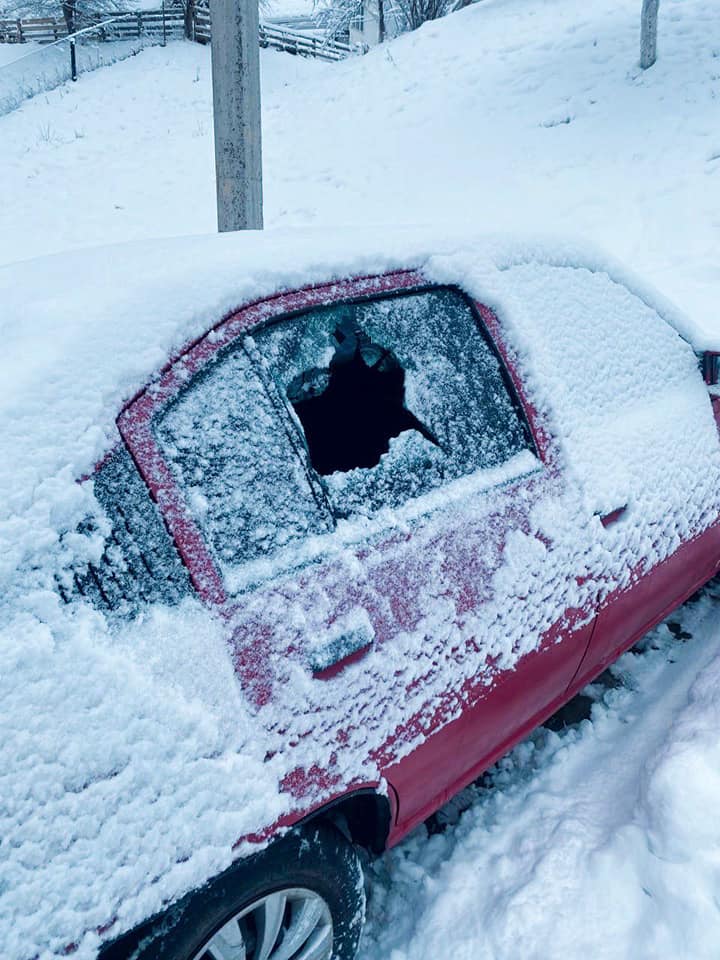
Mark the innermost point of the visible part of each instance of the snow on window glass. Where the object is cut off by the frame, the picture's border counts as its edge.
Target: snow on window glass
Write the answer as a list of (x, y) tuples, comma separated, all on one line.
[(394, 396), (139, 562), (233, 457)]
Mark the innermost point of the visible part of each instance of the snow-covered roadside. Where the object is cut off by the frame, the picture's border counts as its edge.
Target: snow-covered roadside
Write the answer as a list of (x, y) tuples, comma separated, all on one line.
[(509, 115), (597, 841), (125, 153), (45, 67), (9, 52)]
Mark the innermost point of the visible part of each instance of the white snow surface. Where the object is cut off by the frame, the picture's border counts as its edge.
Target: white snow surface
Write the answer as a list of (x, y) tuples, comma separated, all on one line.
[(9, 52), (510, 115)]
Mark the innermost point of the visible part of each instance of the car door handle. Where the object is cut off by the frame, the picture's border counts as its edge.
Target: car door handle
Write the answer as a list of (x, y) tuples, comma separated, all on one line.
[(608, 519), (333, 652)]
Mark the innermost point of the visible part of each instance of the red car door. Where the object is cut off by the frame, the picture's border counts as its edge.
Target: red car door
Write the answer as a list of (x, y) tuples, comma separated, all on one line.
[(390, 533), (638, 432)]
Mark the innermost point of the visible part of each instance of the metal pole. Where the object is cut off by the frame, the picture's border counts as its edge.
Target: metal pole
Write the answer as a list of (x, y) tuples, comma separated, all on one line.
[(236, 107), (648, 33), (164, 40), (73, 61)]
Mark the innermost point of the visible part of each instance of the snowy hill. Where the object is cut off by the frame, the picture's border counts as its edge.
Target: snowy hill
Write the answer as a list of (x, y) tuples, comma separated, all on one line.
[(511, 114), (598, 840)]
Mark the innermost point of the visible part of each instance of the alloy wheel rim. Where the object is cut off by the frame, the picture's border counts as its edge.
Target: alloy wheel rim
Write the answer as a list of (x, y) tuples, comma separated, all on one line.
[(290, 924)]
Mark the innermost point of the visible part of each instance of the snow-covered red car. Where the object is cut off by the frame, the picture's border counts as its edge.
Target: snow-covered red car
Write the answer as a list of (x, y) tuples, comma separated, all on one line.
[(412, 494)]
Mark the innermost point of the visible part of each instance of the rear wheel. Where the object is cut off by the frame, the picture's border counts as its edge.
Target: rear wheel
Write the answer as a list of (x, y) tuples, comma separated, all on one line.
[(300, 899), (294, 923)]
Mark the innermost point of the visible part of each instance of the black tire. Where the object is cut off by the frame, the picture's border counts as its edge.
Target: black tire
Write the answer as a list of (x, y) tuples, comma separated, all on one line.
[(316, 857)]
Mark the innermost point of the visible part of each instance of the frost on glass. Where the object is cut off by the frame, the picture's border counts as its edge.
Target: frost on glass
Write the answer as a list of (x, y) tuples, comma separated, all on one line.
[(233, 456), (464, 418), (139, 563)]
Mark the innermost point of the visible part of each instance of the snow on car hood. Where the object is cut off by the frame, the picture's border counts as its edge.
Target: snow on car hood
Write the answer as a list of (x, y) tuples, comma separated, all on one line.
[(128, 773)]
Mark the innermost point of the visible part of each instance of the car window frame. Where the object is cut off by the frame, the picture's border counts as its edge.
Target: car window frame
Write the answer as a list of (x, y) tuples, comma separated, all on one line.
[(135, 421), (398, 294)]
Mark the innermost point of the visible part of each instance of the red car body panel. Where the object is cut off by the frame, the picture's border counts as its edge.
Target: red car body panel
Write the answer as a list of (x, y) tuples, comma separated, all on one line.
[(629, 613), (470, 728), (461, 750)]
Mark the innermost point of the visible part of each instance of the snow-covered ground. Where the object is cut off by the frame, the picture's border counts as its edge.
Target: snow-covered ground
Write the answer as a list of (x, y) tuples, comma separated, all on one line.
[(598, 840), (511, 114), (31, 69), (10, 52)]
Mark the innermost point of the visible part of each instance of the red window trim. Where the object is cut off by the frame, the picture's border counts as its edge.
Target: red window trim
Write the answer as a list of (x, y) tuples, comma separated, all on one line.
[(135, 420)]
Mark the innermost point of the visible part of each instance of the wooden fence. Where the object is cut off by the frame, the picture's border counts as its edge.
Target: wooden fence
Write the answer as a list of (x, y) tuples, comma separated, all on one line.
[(281, 38), (305, 45), (41, 29), (171, 24), (124, 26)]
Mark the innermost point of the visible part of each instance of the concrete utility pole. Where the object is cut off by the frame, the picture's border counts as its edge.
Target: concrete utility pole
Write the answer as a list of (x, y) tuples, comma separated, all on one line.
[(648, 33), (236, 109)]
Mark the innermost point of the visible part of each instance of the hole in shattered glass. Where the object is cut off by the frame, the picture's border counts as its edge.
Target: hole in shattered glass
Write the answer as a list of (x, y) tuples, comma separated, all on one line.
[(352, 409)]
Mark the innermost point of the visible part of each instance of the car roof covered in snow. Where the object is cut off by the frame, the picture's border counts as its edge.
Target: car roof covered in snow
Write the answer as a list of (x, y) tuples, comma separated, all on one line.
[(83, 331)]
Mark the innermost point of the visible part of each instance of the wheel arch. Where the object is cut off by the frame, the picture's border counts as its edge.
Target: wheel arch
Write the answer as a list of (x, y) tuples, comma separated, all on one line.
[(363, 815)]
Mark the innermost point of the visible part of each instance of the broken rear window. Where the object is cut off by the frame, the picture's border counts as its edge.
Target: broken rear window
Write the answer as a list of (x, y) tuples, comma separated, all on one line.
[(394, 396)]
